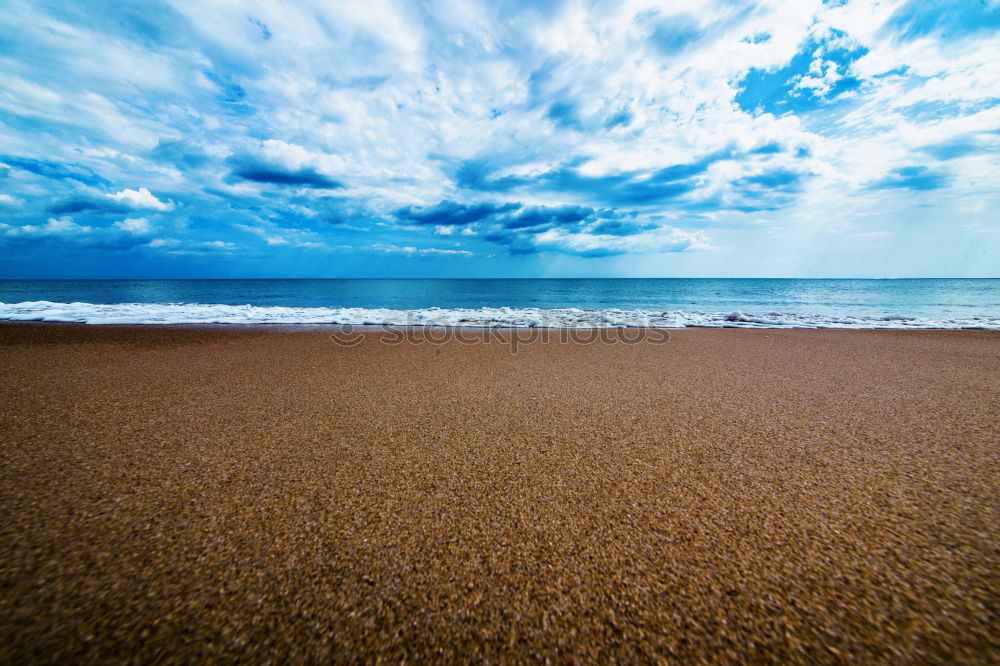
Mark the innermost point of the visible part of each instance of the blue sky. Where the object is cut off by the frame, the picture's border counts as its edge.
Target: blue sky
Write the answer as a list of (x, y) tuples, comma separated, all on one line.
[(195, 138)]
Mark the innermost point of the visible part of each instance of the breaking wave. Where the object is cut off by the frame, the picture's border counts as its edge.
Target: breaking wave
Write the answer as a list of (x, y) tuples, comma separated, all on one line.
[(202, 313)]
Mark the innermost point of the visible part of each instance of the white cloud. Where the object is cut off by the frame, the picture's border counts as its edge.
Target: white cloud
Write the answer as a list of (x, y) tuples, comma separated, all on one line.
[(410, 250), (54, 226), (661, 239), (163, 242), (274, 235), (134, 225), (141, 198)]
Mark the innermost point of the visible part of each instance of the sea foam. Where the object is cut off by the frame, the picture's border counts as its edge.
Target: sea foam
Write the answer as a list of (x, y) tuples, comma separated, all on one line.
[(502, 317)]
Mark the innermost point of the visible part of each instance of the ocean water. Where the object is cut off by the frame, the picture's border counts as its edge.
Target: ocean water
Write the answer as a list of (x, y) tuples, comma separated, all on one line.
[(668, 302)]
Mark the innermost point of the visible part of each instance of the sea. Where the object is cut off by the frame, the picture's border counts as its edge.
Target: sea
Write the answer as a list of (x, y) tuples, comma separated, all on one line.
[(554, 303)]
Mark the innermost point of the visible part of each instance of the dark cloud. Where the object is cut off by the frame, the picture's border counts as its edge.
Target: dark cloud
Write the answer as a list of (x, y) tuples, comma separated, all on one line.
[(54, 170), (450, 213), (912, 178), (81, 203), (89, 237), (501, 217), (516, 243), (247, 168), (632, 188), (519, 228), (537, 216), (618, 228)]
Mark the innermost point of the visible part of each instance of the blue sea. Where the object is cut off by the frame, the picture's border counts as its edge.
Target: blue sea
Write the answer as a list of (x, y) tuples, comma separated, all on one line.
[(667, 302)]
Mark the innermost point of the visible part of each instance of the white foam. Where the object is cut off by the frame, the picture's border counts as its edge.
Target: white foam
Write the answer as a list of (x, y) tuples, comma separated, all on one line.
[(201, 313)]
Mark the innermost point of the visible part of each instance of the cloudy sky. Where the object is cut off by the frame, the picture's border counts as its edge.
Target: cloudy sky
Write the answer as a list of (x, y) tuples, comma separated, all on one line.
[(215, 138)]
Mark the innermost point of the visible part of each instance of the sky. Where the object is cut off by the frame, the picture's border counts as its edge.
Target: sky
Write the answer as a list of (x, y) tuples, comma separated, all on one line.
[(725, 138)]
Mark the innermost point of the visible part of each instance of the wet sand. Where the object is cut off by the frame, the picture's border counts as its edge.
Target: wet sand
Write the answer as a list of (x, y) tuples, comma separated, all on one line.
[(177, 494)]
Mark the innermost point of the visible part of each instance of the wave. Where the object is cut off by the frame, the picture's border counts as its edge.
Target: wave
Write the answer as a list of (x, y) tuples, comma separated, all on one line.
[(201, 313)]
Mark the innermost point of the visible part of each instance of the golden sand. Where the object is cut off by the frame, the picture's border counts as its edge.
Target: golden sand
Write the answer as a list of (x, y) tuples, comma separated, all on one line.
[(172, 494)]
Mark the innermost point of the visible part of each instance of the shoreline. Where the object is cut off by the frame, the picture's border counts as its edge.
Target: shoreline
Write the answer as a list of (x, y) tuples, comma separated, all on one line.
[(376, 328), (178, 492), (531, 316)]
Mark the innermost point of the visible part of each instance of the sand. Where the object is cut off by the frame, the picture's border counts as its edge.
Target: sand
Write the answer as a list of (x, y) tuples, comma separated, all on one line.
[(177, 494)]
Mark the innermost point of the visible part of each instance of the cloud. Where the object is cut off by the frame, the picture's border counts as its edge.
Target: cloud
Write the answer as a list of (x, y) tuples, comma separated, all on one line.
[(676, 33), (537, 216), (54, 226), (656, 240), (274, 235), (629, 188), (619, 228), (568, 229), (449, 213), (222, 245), (247, 168), (414, 251), (621, 118), (954, 148), (784, 180), (912, 178), (81, 203), (946, 19), (140, 199), (54, 170), (134, 225), (579, 129), (278, 162), (125, 200), (510, 215), (65, 232), (179, 153), (678, 185)]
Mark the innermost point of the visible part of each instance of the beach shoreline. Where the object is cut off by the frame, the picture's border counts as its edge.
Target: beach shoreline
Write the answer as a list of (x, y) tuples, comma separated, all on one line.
[(255, 492)]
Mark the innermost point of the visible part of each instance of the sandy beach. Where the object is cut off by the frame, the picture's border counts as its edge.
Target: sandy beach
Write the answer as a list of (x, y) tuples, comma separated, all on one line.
[(174, 494)]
